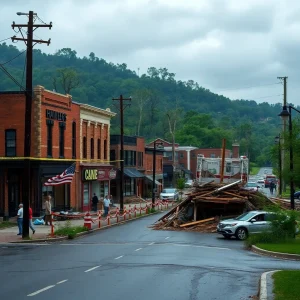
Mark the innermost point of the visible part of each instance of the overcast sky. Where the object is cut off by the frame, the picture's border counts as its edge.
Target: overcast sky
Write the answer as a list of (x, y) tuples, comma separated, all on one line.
[(232, 47)]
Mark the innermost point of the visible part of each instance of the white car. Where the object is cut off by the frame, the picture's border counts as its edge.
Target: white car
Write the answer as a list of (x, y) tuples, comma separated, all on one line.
[(169, 194), (251, 186), (189, 183), (261, 180)]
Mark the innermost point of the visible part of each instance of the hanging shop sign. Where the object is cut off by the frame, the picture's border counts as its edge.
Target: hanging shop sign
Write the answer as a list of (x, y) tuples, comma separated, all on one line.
[(89, 174)]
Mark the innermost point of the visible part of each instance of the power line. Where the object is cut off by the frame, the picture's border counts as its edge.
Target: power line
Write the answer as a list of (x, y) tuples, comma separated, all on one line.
[(4, 40), (249, 87), (2, 64), (12, 78)]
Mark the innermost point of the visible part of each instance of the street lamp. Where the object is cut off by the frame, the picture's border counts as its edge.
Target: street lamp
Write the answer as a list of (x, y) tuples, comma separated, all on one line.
[(277, 141), (287, 114), (155, 146)]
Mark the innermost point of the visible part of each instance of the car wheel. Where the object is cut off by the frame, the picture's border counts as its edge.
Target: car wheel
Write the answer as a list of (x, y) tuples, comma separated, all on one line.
[(226, 236), (241, 233)]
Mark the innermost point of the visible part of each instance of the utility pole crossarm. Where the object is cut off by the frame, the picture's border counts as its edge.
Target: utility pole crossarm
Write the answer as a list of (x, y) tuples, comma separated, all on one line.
[(14, 38), (34, 25)]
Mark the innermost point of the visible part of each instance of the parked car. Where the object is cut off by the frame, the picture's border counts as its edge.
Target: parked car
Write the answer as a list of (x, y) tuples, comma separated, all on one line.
[(261, 180), (169, 194), (251, 186), (189, 183), (297, 195), (249, 222)]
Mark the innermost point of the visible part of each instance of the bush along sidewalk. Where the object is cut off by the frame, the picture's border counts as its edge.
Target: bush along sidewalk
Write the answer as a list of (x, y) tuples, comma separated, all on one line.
[(282, 235), (69, 230), (7, 224)]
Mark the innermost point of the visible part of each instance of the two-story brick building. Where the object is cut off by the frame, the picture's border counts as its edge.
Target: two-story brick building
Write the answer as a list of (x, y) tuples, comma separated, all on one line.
[(63, 132), (138, 166), (53, 146), (96, 171)]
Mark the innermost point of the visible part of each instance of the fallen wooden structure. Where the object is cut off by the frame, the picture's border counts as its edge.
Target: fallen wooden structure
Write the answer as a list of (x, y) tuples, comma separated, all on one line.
[(208, 203)]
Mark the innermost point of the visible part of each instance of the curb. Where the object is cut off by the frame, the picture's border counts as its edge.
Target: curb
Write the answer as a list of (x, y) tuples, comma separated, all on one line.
[(58, 239), (275, 254), (263, 290)]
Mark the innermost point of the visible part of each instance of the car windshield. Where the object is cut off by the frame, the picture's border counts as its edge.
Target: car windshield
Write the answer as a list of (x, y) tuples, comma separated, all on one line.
[(245, 216), (169, 190)]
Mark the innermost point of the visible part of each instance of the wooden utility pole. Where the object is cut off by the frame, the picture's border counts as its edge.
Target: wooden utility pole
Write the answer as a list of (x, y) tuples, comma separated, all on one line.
[(121, 109), (26, 191), (223, 160), (284, 127)]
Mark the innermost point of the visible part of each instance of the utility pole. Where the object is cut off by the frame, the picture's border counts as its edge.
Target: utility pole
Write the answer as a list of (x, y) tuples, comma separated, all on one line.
[(121, 109), (284, 127), (26, 191)]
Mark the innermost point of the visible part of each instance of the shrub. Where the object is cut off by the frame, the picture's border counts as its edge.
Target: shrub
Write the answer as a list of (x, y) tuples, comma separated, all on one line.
[(282, 228), (69, 230)]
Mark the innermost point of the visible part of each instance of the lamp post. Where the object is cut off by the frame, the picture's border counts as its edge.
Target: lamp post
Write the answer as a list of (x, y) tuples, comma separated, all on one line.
[(277, 141), (287, 114), (155, 144)]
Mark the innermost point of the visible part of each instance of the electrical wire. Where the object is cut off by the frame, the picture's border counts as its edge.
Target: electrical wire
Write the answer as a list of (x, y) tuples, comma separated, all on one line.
[(5, 40), (2, 64), (12, 78), (25, 60), (249, 87)]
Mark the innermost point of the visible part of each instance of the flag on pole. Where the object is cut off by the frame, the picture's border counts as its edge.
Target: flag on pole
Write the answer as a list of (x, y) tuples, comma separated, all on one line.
[(65, 177)]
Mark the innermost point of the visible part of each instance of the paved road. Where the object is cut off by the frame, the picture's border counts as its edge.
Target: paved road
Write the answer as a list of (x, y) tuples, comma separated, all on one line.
[(134, 262)]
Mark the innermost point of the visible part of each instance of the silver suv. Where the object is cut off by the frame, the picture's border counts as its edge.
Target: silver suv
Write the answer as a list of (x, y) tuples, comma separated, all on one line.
[(249, 222)]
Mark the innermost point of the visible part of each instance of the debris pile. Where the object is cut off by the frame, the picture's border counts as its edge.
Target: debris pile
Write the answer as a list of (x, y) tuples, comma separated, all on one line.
[(284, 203), (208, 203)]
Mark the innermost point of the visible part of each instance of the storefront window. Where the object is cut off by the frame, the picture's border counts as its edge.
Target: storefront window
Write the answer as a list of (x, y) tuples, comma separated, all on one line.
[(85, 194), (129, 187)]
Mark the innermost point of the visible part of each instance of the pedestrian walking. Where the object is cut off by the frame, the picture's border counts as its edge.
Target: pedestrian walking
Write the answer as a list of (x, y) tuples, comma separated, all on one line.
[(106, 202), (20, 219), (48, 217), (272, 187), (30, 221), (111, 201), (95, 201)]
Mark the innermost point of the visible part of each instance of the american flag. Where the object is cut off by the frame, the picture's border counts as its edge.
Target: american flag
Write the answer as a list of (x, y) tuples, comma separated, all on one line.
[(65, 177)]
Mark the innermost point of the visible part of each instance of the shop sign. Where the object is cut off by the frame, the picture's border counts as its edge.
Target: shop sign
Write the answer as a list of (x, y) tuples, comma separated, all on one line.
[(55, 115), (89, 174), (112, 174), (101, 174)]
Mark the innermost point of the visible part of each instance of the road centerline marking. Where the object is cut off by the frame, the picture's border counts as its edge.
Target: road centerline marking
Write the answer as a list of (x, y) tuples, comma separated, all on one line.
[(91, 269), (119, 257), (151, 244), (41, 290), (138, 249), (60, 282), (167, 237)]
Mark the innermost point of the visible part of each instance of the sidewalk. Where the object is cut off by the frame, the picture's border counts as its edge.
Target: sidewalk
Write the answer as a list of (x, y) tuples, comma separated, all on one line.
[(9, 235)]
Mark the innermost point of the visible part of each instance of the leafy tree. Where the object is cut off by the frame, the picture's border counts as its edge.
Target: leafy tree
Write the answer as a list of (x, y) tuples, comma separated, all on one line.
[(67, 78)]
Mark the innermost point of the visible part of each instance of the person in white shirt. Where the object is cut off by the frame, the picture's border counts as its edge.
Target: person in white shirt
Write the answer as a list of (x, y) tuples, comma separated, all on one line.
[(106, 203), (20, 219)]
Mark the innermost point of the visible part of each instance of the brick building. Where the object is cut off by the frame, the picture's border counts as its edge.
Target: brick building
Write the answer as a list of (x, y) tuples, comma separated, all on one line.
[(185, 159), (53, 145), (63, 131), (138, 166), (95, 170)]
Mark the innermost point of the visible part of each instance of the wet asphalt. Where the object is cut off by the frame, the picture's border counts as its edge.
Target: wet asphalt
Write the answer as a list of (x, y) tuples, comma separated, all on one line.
[(132, 261)]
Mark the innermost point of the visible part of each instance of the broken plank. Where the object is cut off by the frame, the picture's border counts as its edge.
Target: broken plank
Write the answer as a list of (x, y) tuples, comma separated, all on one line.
[(197, 222)]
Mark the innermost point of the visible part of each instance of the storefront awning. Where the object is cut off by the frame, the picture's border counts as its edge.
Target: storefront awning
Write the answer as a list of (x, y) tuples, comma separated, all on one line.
[(151, 179), (133, 173)]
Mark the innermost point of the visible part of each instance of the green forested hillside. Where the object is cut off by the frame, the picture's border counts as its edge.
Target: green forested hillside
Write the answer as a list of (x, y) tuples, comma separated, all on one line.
[(158, 99)]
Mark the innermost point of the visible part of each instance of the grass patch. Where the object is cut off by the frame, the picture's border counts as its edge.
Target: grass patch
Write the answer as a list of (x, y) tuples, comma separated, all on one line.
[(69, 230), (254, 170), (287, 285), (7, 224), (292, 247)]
